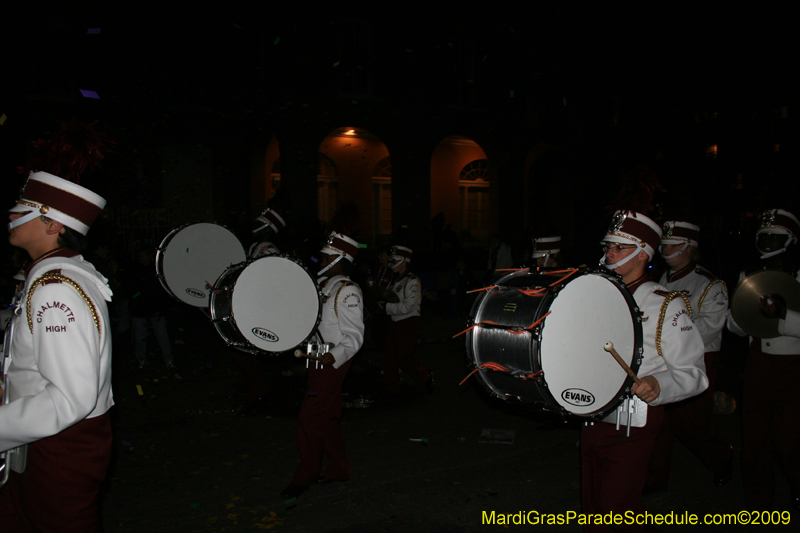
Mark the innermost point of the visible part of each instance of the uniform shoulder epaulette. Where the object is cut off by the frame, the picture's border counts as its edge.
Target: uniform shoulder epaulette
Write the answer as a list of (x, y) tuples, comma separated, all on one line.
[(713, 281), (347, 283), (55, 276), (661, 293), (706, 274), (668, 297)]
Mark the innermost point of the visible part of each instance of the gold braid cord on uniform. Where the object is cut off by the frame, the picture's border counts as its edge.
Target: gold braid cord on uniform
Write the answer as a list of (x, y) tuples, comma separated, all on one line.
[(705, 292), (671, 296), (55, 276), (336, 298)]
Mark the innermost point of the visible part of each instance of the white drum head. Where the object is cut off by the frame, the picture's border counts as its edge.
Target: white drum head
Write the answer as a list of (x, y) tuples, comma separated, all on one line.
[(276, 303), (588, 312), (193, 257)]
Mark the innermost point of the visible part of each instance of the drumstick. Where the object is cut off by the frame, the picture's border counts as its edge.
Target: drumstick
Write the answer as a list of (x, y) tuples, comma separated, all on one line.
[(609, 347), (299, 353)]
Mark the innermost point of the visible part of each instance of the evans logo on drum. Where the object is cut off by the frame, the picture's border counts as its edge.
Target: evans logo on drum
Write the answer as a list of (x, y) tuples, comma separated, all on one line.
[(265, 334), (578, 397), (195, 293)]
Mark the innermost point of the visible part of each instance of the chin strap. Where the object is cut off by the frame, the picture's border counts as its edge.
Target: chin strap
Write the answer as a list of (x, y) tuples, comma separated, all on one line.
[(767, 255), (619, 263), (676, 254), (321, 272), (23, 219)]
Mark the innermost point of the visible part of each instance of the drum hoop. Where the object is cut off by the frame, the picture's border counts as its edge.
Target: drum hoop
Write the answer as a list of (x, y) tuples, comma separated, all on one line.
[(638, 343), (162, 248), (232, 318), (548, 298)]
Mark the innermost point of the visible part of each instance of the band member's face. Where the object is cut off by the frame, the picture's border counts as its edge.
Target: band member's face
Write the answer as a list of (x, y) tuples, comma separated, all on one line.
[(679, 260), (769, 242), (21, 235)]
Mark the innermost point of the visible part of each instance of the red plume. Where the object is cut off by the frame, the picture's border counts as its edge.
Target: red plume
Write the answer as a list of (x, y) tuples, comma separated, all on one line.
[(72, 150)]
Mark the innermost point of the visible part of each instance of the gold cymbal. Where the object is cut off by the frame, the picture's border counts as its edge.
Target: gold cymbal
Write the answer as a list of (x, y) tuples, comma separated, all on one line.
[(745, 301)]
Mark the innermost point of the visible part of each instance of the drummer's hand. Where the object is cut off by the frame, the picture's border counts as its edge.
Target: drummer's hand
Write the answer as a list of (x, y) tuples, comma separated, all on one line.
[(327, 359), (772, 306), (648, 390)]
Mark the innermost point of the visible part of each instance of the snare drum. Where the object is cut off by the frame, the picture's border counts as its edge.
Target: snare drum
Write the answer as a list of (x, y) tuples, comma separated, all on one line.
[(270, 304), (192, 257), (559, 364)]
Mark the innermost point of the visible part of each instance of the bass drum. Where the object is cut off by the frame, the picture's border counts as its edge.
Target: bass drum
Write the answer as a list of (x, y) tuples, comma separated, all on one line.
[(270, 304), (559, 364), (192, 257)]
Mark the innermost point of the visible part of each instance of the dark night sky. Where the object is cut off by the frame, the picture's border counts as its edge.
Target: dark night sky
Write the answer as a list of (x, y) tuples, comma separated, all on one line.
[(168, 75)]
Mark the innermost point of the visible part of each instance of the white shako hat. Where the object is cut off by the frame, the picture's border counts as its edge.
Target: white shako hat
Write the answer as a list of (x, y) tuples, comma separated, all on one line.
[(341, 245), (629, 227), (544, 246), (679, 232), (780, 222), (398, 254), (58, 199), (270, 218)]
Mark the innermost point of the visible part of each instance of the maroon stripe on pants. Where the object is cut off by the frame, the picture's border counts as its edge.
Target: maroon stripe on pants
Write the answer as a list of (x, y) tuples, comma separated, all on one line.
[(58, 492), (318, 430), (614, 469)]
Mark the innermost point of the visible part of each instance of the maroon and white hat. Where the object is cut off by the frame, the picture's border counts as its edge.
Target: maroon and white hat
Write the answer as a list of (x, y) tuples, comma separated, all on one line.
[(544, 246), (780, 222), (58, 199), (629, 227), (341, 245), (269, 218), (679, 232), (398, 254)]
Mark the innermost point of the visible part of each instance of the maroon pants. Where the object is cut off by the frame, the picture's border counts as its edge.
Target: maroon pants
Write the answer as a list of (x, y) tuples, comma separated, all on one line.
[(690, 421), (318, 430), (614, 468), (401, 340), (770, 425), (58, 492)]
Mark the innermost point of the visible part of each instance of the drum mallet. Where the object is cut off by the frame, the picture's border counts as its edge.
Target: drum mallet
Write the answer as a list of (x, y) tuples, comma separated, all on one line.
[(609, 347), (299, 353)]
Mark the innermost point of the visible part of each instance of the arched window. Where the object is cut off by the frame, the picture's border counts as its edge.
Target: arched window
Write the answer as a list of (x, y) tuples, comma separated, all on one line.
[(327, 184), (475, 197), (382, 196)]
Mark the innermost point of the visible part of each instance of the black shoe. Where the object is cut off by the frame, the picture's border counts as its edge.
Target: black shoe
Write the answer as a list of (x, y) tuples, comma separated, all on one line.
[(723, 476), (327, 480), (429, 383), (293, 491)]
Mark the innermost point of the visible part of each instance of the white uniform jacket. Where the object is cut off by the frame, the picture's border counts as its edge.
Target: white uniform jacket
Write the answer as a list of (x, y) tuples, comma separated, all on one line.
[(342, 322), (708, 297), (60, 371), (789, 341), (679, 368), (409, 290)]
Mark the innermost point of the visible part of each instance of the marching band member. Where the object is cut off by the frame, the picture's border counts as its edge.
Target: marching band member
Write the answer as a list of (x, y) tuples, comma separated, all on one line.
[(404, 330), (342, 326), (59, 377), (614, 466), (547, 251), (769, 410), (690, 420), (252, 368), (270, 220)]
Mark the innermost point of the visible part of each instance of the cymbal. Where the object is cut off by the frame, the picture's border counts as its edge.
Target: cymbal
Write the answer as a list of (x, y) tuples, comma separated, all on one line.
[(745, 301), (382, 293)]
